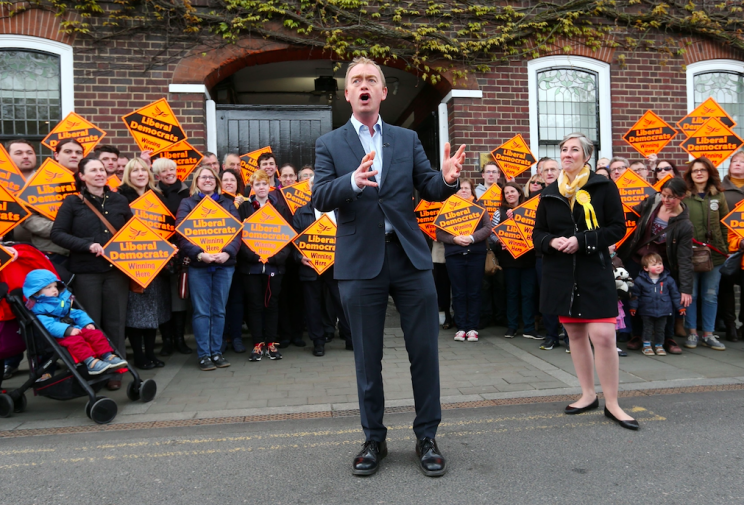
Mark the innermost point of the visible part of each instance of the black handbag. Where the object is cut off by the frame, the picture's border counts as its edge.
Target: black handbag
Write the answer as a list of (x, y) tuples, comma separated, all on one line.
[(732, 265)]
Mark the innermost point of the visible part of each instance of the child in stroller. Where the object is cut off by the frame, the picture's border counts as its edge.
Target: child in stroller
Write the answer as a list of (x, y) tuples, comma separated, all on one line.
[(73, 328)]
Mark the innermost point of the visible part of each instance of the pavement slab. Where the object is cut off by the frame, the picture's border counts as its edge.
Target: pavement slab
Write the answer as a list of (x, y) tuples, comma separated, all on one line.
[(493, 368)]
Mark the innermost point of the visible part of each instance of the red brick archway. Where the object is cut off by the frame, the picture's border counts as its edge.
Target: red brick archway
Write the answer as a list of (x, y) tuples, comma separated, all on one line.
[(211, 66)]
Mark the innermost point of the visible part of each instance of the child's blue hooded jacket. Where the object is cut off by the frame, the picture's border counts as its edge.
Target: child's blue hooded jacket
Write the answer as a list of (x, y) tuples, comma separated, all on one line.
[(56, 314)]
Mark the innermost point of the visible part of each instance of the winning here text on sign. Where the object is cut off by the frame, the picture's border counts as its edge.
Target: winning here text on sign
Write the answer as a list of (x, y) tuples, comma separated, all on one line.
[(426, 212)]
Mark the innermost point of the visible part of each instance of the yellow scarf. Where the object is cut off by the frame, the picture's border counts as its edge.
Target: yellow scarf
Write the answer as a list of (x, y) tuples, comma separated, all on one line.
[(573, 192), (569, 189)]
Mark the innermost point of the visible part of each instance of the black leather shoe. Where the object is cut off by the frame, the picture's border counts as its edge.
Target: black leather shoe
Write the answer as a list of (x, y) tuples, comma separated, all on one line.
[(155, 361), (144, 365), (630, 424), (329, 336), (578, 410), (298, 342), (367, 462), (319, 348), (431, 461)]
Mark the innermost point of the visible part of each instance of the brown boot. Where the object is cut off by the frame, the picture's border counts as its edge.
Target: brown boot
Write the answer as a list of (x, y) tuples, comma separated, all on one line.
[(634, 343)]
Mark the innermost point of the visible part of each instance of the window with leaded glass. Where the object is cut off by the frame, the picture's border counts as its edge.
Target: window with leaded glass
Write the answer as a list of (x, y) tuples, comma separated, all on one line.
[(726, 88), (30, 101), (567, 102)]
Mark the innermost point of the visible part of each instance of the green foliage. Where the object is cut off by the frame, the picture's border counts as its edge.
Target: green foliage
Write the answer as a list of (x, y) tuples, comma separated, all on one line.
[(460, 35)]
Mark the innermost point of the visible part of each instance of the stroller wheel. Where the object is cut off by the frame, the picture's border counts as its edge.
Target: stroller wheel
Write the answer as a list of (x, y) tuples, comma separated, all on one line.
[(20, 404), (103, 411), (6, 406), (148, 390), (133, 392)]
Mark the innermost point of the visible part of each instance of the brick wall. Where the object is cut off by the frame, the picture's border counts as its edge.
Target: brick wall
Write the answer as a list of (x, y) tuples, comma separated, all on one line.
[(112, 80)]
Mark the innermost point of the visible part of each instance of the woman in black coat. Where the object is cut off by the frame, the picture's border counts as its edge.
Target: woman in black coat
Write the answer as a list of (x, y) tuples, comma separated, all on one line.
[(80, 230), (151, 307), (579, 217), (172, 191)]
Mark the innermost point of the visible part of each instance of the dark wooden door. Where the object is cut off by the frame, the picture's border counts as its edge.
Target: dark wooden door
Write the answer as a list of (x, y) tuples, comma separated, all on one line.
[(290, 130)]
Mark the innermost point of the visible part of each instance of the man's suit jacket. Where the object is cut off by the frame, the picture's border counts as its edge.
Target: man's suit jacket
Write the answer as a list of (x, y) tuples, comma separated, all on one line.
[(360, 239)]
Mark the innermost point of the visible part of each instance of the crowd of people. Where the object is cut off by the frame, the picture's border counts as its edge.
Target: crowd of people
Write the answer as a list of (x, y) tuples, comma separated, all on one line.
[(684, 216), (662, 294), (221, 291)]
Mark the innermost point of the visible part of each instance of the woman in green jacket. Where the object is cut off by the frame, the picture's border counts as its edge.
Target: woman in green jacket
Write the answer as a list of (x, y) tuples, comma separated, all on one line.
[(707, 205)]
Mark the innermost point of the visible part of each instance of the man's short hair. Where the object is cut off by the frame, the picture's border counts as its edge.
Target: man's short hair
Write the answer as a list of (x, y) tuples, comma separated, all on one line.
[(307, 167), (58, 149), (361, 60), (19, 141), (209, 153), (224, 158), (620, 159), (265, 156), (483, 167), (106, 148)]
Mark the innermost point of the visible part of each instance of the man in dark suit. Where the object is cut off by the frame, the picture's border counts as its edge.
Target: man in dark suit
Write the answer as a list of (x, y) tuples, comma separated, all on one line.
[(368, 170)]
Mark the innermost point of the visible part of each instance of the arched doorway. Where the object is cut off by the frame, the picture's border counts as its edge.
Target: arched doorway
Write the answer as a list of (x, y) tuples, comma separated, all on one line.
[(289, 104)]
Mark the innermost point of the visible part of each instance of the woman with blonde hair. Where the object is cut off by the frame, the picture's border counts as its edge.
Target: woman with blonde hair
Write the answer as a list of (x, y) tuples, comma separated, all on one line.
[(147, 310), (210, 274), (172, 191)]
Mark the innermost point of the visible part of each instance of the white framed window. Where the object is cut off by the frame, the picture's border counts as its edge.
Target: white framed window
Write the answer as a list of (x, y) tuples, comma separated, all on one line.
[(569, 94), (36, 87), (723, 80)]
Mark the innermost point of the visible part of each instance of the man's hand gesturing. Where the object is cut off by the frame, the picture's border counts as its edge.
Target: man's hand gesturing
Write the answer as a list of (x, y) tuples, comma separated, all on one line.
[(363, 173), (452, 166)]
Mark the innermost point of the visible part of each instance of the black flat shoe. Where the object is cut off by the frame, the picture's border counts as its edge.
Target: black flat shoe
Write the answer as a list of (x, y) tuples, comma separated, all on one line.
[(630, 424), (367, 462), (431, 461), (157, 363), (147, 365), (578, 410)]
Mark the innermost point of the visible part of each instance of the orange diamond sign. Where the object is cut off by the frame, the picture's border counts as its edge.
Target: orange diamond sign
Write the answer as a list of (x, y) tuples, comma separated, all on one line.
[(650, 134), (209, 226), (10, 176), (513, 157), (186, 157), (458, 216), (706, 110), (491, 199), (524, 217), (155, 127), (249, 163), (318, 243), (266, 232), (297, 195), (138, 251), (6, 257), (633, 188), (734, 220), (631, 218), (509, 234), (714, 140), (75, 127), (663, 181), (426, 212), (47, 188), (153, 212), (113, 182), (12, 211)]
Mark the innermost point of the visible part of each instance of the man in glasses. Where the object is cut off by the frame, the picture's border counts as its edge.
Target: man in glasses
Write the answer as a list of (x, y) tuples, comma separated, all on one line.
[(640, 168), (491, 175), (618, 166)]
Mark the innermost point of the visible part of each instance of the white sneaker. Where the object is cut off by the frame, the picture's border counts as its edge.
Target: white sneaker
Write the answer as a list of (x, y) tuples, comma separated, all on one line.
[(460, 336), (441, 318), (472, 336)]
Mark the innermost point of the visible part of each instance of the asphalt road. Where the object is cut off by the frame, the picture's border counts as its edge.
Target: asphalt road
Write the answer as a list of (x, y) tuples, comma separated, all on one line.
[(689, 450)]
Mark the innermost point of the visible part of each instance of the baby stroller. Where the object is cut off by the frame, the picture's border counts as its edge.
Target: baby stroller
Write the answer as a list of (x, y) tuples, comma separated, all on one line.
[(43, 352)]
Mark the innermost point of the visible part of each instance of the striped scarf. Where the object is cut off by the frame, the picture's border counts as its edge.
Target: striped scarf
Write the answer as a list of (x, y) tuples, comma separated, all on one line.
[(569, 189)]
